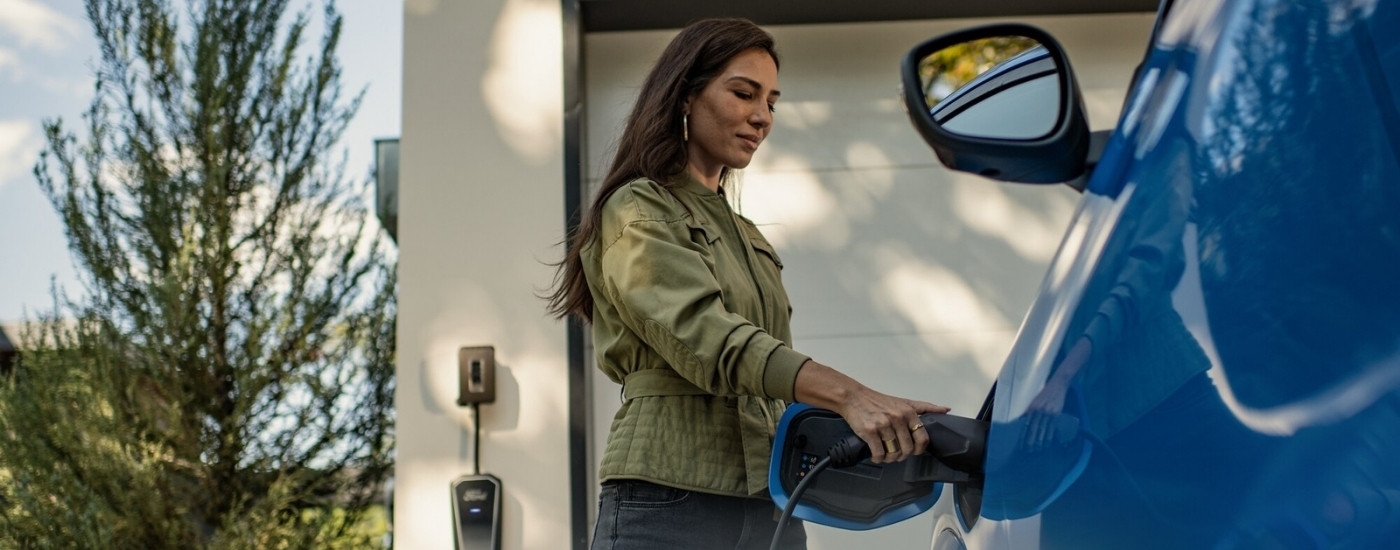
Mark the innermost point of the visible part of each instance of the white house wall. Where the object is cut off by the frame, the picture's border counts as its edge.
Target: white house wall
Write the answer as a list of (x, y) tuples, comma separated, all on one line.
[(481, 206), (901, 273)]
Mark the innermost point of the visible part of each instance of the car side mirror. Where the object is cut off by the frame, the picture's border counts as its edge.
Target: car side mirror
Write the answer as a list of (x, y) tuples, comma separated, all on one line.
[(999, 101)]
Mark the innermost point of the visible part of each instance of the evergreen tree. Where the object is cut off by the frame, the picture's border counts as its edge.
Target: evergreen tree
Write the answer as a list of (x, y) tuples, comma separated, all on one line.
[(225, 380)]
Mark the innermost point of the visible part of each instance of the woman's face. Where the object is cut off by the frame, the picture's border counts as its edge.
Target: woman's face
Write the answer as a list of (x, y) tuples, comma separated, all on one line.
[(733, 114)]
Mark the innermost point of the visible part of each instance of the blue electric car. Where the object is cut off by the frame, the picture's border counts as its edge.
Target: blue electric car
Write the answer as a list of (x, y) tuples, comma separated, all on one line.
[(1213, 360)]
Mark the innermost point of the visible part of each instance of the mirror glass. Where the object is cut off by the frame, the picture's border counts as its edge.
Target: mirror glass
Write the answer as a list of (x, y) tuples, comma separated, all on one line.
[(1001, 87)]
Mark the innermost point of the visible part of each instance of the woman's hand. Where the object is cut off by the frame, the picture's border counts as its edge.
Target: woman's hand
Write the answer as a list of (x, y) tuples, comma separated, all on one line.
[(1050, 402), (1042, 412), (888, 424)]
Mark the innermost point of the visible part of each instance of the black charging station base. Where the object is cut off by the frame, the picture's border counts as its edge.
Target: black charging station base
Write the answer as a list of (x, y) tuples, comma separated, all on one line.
[(476, 512)]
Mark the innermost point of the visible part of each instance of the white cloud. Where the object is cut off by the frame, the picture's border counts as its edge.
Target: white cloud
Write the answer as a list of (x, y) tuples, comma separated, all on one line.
[(8, 59), (18, 149), (36, 24)]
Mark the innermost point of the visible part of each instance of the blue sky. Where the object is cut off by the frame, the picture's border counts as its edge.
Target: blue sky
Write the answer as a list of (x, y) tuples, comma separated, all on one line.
[(46, 58)]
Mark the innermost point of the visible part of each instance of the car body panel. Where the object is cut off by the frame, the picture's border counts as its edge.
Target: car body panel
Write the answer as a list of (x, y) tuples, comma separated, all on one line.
[(1235, 268)]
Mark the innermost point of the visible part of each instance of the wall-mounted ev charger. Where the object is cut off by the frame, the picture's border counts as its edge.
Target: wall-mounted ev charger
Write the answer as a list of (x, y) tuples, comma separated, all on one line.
[(476, 498), (476, 512)]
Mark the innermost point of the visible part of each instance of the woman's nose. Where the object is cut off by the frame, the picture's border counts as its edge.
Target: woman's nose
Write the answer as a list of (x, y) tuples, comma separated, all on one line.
[(761, 118)]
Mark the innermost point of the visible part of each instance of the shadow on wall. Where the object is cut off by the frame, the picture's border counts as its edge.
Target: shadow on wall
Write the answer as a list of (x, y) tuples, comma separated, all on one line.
[(902, 269)]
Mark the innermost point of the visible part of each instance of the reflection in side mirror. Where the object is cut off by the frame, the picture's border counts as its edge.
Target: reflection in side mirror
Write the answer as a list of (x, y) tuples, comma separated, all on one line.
[(1003, 87), (999, 101)]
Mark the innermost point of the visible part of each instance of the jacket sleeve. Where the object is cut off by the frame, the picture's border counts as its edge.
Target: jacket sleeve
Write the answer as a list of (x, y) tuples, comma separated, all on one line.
[(658, 278)]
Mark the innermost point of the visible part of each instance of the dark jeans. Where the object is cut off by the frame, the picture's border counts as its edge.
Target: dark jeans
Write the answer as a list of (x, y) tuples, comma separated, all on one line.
[(637, 515)]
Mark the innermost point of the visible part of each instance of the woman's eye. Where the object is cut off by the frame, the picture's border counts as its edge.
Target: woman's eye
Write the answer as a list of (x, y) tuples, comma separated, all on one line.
[(743, 95), (772, 108)]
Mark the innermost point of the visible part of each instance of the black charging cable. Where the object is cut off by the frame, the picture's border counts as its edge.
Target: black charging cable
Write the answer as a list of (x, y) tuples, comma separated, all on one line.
[(476, 438), (796, 495)]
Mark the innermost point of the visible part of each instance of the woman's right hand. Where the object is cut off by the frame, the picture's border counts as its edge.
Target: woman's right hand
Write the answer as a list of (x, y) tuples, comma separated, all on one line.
[(1050, 402), (889, 425)]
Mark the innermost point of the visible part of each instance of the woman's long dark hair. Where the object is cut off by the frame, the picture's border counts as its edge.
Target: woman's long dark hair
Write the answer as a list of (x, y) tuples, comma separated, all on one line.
[(651, 145)]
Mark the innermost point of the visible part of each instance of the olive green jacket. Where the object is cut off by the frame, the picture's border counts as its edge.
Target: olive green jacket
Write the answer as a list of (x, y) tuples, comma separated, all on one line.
[(690, 316)]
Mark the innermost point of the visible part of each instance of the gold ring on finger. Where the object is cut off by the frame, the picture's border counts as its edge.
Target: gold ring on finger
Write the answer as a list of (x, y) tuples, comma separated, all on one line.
[(891, 445)]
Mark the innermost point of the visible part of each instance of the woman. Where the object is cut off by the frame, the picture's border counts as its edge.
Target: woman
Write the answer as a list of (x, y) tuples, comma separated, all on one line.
[(689, 312)]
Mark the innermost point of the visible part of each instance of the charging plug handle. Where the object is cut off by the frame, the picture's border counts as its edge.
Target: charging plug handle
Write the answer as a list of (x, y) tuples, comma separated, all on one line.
[(956, 441)]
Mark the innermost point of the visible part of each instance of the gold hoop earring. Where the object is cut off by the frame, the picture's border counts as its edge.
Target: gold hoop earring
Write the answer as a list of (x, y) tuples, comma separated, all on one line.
[(685, 127)]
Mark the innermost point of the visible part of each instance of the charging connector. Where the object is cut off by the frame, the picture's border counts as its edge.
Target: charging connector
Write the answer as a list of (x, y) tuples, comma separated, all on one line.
[(854, 493)]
